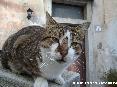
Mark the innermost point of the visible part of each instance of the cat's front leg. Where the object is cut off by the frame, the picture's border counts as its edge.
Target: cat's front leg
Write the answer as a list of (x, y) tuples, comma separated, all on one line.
[(40, 82), (60, 80)]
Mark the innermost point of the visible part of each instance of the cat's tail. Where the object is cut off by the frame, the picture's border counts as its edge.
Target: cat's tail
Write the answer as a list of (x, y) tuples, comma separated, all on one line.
[(0, 54), (40, 82), (4, 59)]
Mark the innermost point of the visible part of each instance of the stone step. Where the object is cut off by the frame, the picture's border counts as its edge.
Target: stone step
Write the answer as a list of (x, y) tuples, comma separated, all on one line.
[(9, 79)]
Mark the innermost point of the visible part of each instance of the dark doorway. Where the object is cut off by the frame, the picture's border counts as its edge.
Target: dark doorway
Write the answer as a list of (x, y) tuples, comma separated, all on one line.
[(79, 65)]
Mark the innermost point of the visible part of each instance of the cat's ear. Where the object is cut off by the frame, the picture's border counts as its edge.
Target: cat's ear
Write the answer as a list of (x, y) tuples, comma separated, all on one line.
[(79, 30), (49, 20), (85, 25), (82, 27)]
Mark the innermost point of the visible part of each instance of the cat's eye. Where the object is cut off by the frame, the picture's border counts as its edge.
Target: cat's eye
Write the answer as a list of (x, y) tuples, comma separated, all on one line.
[(77, 46), (55, 39)]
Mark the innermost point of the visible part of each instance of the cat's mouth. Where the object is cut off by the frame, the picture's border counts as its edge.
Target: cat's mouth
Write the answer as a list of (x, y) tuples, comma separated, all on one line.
[(61, 60)]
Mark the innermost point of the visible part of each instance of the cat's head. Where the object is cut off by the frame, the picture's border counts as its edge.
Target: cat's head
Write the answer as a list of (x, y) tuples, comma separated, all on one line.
[(62, 40)]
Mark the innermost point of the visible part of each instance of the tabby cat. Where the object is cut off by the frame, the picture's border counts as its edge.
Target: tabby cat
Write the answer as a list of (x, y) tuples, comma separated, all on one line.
[(44, 52)]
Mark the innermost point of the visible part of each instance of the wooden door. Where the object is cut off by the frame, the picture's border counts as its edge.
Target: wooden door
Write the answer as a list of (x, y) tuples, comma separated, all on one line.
[(79, 66), (68, 13)]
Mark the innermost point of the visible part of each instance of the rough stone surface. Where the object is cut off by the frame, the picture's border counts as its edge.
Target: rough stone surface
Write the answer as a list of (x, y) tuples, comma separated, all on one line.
[(8, 79)]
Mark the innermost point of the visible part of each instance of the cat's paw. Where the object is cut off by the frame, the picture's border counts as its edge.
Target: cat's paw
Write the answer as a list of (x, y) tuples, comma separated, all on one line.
[(40, 82), (15, 71), (59, 80)]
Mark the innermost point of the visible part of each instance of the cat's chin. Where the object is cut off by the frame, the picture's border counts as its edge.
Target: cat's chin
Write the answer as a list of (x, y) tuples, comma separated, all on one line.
[(61, 60)]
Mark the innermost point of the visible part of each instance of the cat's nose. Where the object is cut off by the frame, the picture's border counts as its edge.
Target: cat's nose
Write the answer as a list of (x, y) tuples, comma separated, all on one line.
[(63, 51)]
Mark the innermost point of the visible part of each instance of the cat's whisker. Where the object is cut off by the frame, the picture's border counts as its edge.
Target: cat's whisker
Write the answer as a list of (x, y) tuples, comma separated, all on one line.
[(52, 59), (43, 64)]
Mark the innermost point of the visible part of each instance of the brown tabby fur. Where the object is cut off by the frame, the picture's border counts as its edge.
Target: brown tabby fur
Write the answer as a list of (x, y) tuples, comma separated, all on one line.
[(22, 49)]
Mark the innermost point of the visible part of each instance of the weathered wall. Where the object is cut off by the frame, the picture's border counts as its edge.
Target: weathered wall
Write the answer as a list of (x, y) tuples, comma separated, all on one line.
[(13, 15), (103, 44)]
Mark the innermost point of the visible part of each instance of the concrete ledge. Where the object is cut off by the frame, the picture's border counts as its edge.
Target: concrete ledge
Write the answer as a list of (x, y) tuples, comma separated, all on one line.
[(8, 79)]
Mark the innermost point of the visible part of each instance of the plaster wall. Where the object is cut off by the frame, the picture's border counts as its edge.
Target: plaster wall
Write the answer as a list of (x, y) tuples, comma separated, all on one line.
[(13, 16), (102, 44)]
